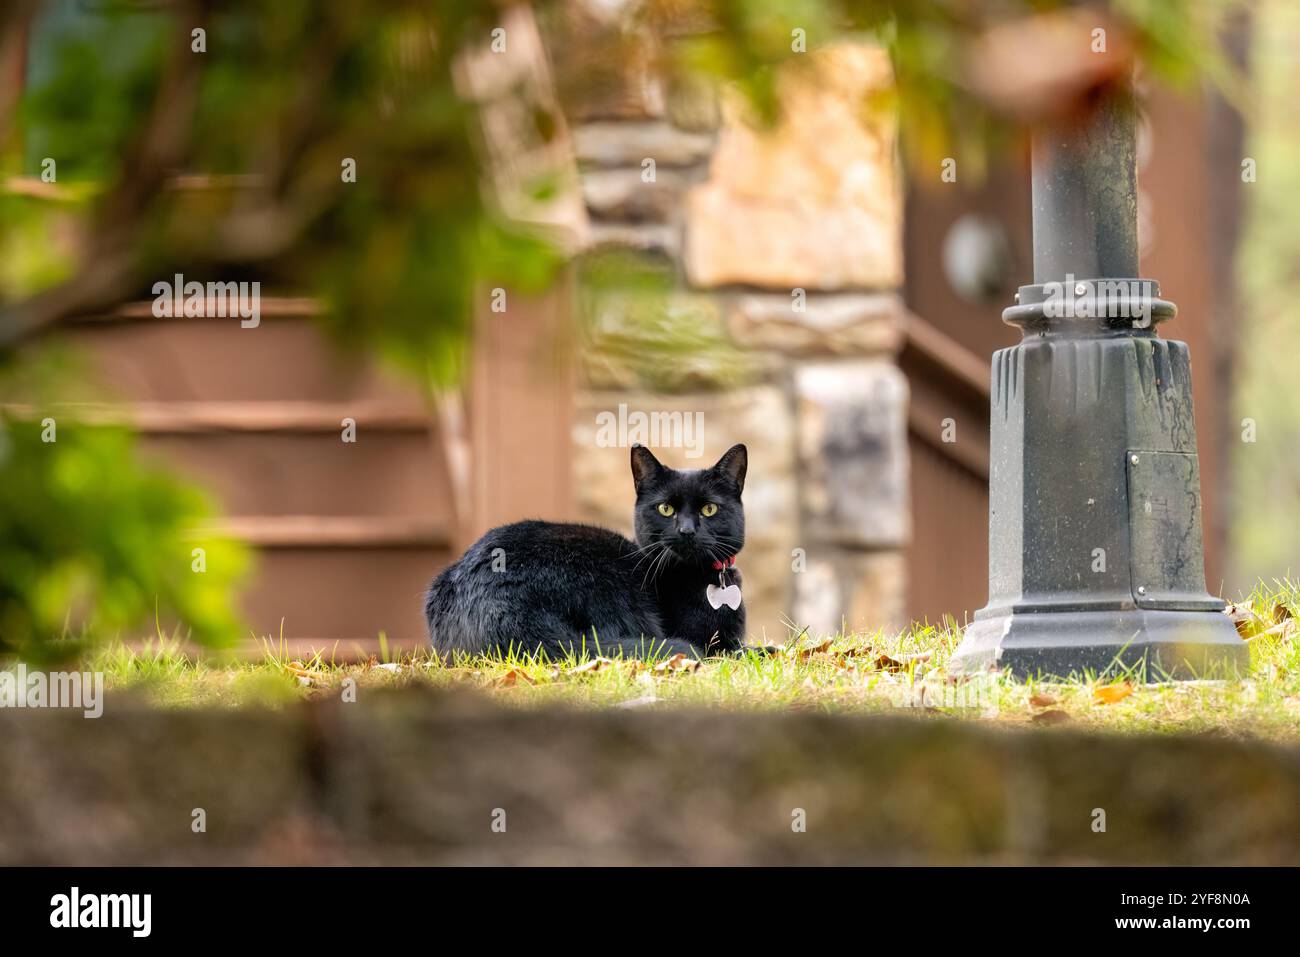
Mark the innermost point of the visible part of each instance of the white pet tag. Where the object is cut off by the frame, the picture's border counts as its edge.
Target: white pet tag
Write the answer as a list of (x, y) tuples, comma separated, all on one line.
[(729, 596)]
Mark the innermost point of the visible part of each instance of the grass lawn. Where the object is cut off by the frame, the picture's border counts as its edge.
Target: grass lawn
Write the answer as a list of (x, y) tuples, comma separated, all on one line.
[(845, 673)]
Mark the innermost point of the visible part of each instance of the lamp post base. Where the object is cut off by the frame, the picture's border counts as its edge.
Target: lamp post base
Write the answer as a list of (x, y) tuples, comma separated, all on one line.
[(1159, 643)]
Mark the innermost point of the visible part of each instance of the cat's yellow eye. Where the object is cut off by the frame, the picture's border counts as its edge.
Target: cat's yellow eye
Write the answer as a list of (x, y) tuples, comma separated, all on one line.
[(709, 510), (665, 508)]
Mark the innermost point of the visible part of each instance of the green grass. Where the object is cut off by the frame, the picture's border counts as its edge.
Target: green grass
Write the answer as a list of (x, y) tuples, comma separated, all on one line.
[(874, 673)]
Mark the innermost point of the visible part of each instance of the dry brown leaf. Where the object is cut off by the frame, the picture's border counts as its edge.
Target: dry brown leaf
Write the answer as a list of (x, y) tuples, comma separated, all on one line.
[(1056, 716), (861, 651), (1285, 628), (1040, 700), (803, 654), (1243, 618), (678, 662), (886, 663), (303, 672), (592, 666), (1281, 613), (512, 678), (1109, 694)]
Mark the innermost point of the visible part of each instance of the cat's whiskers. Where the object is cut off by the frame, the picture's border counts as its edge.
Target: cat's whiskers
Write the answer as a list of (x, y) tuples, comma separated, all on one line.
[(649, 553), (658, 565), (730, 543), (646, 554), (641, 549)]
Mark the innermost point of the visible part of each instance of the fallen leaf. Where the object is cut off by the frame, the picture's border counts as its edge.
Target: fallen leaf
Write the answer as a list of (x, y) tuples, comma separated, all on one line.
[(305, 674), (1286, 628), (678, 662), (803, 654), (1041, 700), (861, 651), (592, 666), (886, 663), (1243, 618), (1281, 613), (1056, 716), (511, 678), (1109, 694)]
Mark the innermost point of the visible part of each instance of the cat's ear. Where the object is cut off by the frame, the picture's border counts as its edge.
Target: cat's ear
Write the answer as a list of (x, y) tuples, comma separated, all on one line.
[(645, 467), (733, 464)]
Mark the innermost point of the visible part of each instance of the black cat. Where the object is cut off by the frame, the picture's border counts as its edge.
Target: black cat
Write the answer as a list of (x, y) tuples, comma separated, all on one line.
[(542, 587)]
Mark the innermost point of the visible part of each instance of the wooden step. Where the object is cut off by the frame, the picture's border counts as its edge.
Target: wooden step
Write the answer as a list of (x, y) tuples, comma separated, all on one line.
[(318, 596), (287, 357), (328, 531), (179, 418), (289, 458), (346, 535), (302, 473)]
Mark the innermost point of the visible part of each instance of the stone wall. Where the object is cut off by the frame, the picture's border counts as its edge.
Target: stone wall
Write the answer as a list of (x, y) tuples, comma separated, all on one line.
[(415, 778), (783, 244)]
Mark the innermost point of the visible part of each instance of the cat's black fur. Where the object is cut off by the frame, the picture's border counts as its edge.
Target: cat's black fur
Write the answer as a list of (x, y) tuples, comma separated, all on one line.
[(561, 588)]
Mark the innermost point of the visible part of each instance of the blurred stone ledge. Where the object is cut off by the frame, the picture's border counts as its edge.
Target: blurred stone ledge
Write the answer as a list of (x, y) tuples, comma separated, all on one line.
[(629, 144), (414, 777)]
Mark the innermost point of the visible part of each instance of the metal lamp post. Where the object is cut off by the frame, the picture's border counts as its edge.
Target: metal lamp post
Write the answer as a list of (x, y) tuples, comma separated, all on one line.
[(1095, 550)]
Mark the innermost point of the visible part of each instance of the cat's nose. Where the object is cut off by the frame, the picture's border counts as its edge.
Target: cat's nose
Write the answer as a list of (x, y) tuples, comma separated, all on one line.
[(686, 527)]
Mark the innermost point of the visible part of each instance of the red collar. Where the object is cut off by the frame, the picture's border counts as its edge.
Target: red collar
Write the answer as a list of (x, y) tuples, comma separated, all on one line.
[(730, 562)]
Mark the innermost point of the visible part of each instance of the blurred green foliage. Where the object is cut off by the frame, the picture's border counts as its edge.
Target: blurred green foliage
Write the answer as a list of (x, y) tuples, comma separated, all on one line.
[(284, 93), (642, 333), (93, 543)]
